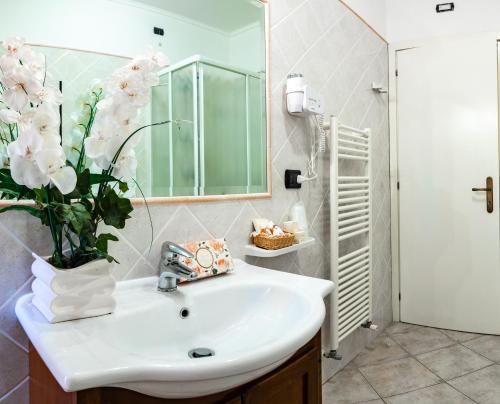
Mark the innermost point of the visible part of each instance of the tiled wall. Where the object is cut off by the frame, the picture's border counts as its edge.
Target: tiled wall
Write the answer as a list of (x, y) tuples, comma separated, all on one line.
[(340, 57)]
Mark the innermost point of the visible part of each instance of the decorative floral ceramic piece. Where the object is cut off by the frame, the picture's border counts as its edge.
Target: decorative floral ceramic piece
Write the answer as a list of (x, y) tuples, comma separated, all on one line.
[(211, 257)]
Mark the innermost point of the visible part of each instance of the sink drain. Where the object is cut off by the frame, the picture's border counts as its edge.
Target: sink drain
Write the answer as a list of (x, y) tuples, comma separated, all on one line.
[(200, 353)]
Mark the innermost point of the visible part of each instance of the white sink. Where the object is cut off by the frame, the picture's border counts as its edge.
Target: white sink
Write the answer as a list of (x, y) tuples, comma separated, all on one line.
[(254, 319)]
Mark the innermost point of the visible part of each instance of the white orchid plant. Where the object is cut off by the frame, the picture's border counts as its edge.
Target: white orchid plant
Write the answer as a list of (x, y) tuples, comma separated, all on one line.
[(69, 197)]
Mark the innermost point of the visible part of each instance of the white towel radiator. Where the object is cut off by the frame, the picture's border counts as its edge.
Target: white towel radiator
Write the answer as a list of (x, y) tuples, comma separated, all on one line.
[(351, 217)]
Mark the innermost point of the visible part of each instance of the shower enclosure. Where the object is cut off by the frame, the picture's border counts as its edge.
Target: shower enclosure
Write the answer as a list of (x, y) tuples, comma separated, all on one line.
[(216, 141)]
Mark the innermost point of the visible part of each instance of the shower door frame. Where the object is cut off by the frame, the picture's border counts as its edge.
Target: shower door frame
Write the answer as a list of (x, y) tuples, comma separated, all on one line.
[(393, 50)]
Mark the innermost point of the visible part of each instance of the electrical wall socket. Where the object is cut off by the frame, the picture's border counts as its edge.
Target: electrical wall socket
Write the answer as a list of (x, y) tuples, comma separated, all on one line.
[(291, 179)]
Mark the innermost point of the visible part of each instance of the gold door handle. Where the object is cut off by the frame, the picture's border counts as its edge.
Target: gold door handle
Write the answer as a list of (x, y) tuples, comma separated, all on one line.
[(489, 193)]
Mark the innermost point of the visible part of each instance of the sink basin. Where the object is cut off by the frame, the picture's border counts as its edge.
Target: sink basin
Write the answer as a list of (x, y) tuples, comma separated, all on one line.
[(251, 319)]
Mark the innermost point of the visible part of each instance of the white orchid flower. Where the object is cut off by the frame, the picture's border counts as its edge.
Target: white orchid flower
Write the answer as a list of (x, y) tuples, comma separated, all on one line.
[(113, 145), (26, 117), (95, 148), (23, 166), (158, 58), (122, 80), (139, 66), (52, 162), (20, 88), (138, 97), (96, 144), (13, 45), (8, 63), (122, 114), (126, 166), (35, 163), (34, 61), (105, 103), (9, 116), (49, 95), (46, 121)]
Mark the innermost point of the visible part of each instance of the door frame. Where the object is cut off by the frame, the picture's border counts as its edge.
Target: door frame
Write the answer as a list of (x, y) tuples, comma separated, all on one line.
[(393, 50)]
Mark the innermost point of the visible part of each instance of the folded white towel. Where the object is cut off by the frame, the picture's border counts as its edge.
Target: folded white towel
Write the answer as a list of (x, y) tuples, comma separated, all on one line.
[(62, 308), (89, 310)]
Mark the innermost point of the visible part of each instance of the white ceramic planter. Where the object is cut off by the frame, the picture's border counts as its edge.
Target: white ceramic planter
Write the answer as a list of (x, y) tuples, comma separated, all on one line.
[(62, 295)]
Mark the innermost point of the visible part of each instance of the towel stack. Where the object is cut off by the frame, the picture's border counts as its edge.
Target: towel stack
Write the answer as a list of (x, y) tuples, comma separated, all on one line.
[(62, 295)]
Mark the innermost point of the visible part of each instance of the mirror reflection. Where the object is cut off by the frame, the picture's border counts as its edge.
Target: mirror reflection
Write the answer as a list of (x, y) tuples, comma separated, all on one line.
[(212, 94)]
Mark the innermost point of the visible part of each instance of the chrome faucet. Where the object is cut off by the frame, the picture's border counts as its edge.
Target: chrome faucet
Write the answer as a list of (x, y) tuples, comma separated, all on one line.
[(171, 269)]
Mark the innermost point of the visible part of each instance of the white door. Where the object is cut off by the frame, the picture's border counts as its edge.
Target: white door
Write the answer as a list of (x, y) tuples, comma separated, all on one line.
[(448, 144)]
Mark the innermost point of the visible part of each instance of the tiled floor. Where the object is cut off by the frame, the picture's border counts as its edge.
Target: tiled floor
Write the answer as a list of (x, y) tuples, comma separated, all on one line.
[(421, 365)]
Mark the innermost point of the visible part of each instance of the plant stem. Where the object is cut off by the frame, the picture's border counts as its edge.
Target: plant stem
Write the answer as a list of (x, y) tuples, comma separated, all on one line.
[(57, 255)]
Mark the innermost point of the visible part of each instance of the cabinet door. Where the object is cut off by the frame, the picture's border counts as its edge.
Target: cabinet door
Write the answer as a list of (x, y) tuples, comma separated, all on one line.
[(298, 383), (236, 400)]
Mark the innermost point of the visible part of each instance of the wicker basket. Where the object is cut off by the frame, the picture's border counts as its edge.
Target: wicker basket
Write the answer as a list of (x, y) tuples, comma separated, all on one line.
[(274, 242)]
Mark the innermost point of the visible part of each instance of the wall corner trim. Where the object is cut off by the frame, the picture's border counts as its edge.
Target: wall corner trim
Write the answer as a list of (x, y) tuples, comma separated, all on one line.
[(364, 21)]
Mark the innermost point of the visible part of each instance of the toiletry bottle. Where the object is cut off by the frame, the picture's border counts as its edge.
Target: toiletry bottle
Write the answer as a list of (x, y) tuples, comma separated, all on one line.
[(298, 214)]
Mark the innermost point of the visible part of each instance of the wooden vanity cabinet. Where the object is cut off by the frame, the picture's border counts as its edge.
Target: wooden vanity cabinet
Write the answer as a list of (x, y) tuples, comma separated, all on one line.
[(297, 381)]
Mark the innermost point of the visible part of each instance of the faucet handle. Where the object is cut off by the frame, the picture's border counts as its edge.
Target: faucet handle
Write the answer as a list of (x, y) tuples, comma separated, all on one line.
[(168, 246)]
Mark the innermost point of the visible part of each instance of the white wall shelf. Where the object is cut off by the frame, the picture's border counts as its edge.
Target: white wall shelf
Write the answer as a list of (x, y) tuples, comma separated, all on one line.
[(255, 251)]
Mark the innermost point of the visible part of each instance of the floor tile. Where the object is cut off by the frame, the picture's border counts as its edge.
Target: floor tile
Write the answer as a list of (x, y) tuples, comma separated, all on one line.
[(422, 339), (487, 345), (398, 376), (438, 394), (347, 386), (383, 349), (482, 386), (460, 336), (396, 328), (453, 361)]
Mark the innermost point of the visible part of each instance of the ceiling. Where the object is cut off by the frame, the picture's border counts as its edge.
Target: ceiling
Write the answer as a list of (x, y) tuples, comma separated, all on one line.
[(225, 15)]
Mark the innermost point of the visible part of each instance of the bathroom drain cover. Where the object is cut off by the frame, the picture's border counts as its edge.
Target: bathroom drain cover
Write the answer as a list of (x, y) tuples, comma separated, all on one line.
[(200, 353)]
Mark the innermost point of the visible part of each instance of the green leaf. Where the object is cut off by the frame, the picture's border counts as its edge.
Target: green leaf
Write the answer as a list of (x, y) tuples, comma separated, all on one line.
[(83, 182), (93, 251), (115, 209), (123, 186), (75, 214), (102, 241), (88, 205), (103, 178)]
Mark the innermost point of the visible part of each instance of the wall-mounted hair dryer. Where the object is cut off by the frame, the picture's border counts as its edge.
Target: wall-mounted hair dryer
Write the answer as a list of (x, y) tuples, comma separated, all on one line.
[(301, 99)]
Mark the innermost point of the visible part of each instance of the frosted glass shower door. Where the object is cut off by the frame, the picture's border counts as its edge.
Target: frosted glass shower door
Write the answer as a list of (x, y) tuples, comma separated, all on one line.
[(183, 131), (223, 134), (175, 145)]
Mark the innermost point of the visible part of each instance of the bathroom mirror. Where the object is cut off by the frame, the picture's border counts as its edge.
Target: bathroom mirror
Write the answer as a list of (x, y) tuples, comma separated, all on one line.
[(214, 93)]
